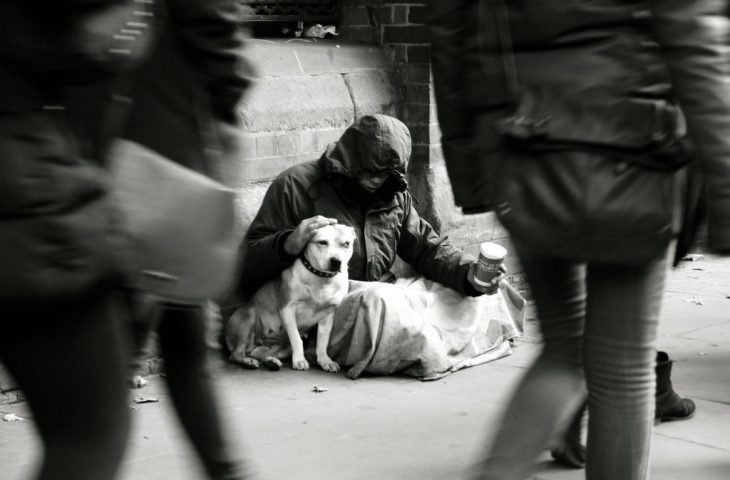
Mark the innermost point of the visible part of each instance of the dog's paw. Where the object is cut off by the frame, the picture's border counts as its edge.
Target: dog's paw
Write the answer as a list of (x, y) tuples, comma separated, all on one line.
[(301, 364), (273, 363), (247, 362), (330, 366), (250, 363)]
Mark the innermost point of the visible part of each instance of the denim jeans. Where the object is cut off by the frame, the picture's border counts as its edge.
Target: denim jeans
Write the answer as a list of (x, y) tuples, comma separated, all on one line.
[(599, 325), (181, 333)]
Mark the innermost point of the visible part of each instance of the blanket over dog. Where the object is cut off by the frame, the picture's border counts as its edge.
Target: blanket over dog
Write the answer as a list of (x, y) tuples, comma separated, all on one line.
[(421, 328)]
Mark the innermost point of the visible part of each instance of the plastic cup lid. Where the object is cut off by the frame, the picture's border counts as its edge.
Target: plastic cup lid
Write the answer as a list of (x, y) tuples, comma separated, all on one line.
[(492, 251)]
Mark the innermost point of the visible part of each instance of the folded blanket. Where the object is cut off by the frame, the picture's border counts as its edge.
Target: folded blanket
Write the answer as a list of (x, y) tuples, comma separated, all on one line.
[(422, 328)]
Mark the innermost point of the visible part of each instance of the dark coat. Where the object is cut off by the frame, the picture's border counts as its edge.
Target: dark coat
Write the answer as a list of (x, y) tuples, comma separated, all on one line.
[(597, 54), (386, 226), (184, 96)]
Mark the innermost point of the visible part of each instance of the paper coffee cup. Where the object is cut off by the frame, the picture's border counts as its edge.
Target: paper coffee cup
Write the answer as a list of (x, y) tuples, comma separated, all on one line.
[(491, 256)]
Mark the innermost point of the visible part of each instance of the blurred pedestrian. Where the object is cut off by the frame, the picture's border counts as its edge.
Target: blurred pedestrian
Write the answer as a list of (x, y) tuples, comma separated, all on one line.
[(183, 106), (562, 118), (61, 255)]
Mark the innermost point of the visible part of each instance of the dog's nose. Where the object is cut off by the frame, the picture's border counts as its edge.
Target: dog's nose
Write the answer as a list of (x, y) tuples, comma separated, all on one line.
[(335, 264)]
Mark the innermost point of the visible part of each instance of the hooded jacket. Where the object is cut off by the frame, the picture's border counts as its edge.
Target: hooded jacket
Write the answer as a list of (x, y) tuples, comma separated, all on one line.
[(621, 61), (386, 222)]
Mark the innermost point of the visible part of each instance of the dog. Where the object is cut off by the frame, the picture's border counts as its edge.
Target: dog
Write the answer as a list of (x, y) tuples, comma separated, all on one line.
[(269, 328)]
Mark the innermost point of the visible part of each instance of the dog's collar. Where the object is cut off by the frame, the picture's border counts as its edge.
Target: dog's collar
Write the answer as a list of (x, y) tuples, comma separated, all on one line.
[(316, 271)]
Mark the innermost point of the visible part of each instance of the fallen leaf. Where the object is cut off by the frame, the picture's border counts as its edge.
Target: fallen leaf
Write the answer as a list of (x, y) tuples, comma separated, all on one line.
[(11, 417), (317, 389), (695, 300), (702, 354), (145, 400)]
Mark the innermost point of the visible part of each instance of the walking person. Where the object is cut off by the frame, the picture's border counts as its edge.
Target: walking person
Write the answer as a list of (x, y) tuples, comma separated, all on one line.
[(183, 106), (562, 118), (62, 258)]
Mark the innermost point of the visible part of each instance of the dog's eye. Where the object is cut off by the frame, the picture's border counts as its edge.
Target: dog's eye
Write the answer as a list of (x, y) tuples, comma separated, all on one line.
[(322, 242), (346, 244)]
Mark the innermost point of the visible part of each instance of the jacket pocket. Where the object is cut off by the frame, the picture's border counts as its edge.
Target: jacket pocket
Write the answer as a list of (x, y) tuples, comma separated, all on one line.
[(648, 132)]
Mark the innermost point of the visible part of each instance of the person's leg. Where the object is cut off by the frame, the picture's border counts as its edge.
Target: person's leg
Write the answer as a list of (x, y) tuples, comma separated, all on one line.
[(182, 341), (669, 406), (141, 311), (619, 358), (553, 387), (70, 362)]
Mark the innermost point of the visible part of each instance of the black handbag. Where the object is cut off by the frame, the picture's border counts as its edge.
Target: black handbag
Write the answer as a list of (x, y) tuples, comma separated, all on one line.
[(574, 180)]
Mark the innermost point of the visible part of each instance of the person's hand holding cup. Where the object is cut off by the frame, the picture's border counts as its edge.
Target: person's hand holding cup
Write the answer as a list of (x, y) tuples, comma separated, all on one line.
[(488, 271)]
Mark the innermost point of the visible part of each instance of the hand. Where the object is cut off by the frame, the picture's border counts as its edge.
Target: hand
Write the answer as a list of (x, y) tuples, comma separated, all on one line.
[(493, 285), (298, 239)]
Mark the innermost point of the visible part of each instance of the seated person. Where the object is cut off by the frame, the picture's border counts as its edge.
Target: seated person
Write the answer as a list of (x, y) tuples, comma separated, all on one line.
[(425, 326)]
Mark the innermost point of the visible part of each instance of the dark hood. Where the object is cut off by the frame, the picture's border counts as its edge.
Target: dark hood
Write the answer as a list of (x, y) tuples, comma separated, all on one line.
[(374, 143)]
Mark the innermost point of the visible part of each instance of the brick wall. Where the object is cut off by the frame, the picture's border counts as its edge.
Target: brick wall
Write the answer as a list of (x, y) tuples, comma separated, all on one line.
[(399, 28)]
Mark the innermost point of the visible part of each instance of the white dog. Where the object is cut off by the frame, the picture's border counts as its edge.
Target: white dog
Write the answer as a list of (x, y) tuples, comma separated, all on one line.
[(305, 295)]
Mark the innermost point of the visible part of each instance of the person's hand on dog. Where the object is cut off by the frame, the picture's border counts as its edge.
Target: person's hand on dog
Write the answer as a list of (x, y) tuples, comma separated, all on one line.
[(493, 284), (298, 239)]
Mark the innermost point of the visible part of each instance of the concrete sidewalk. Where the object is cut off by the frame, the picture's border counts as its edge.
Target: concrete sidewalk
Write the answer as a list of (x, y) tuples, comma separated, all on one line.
[(394, 428)]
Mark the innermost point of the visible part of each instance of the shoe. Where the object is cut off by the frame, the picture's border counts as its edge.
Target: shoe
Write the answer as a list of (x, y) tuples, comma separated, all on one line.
[(571, 452), (669, 405)]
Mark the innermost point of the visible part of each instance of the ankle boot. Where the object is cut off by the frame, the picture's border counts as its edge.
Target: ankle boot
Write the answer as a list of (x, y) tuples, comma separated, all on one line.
[(570, 451), (669, 405)]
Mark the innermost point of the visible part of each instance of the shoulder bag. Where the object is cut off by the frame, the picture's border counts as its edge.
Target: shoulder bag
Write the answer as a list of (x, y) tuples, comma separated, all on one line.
[(181, 225)]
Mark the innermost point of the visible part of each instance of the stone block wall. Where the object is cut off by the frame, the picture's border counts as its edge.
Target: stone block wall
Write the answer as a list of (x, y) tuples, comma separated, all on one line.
[(307, 93)]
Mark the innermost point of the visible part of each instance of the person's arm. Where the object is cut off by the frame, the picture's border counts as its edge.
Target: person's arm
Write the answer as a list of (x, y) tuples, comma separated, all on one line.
[(214, 39), (263, 253), (433, 255), (447, 35), (280, 231), (471, 95), (694, 36)]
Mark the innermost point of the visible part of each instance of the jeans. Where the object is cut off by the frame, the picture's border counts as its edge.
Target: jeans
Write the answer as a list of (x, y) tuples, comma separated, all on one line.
[(181, 333), (70, 362), (599, 325)]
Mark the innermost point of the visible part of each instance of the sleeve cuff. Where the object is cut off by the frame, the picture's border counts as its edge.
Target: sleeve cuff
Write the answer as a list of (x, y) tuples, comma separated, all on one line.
[(282, 254)]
